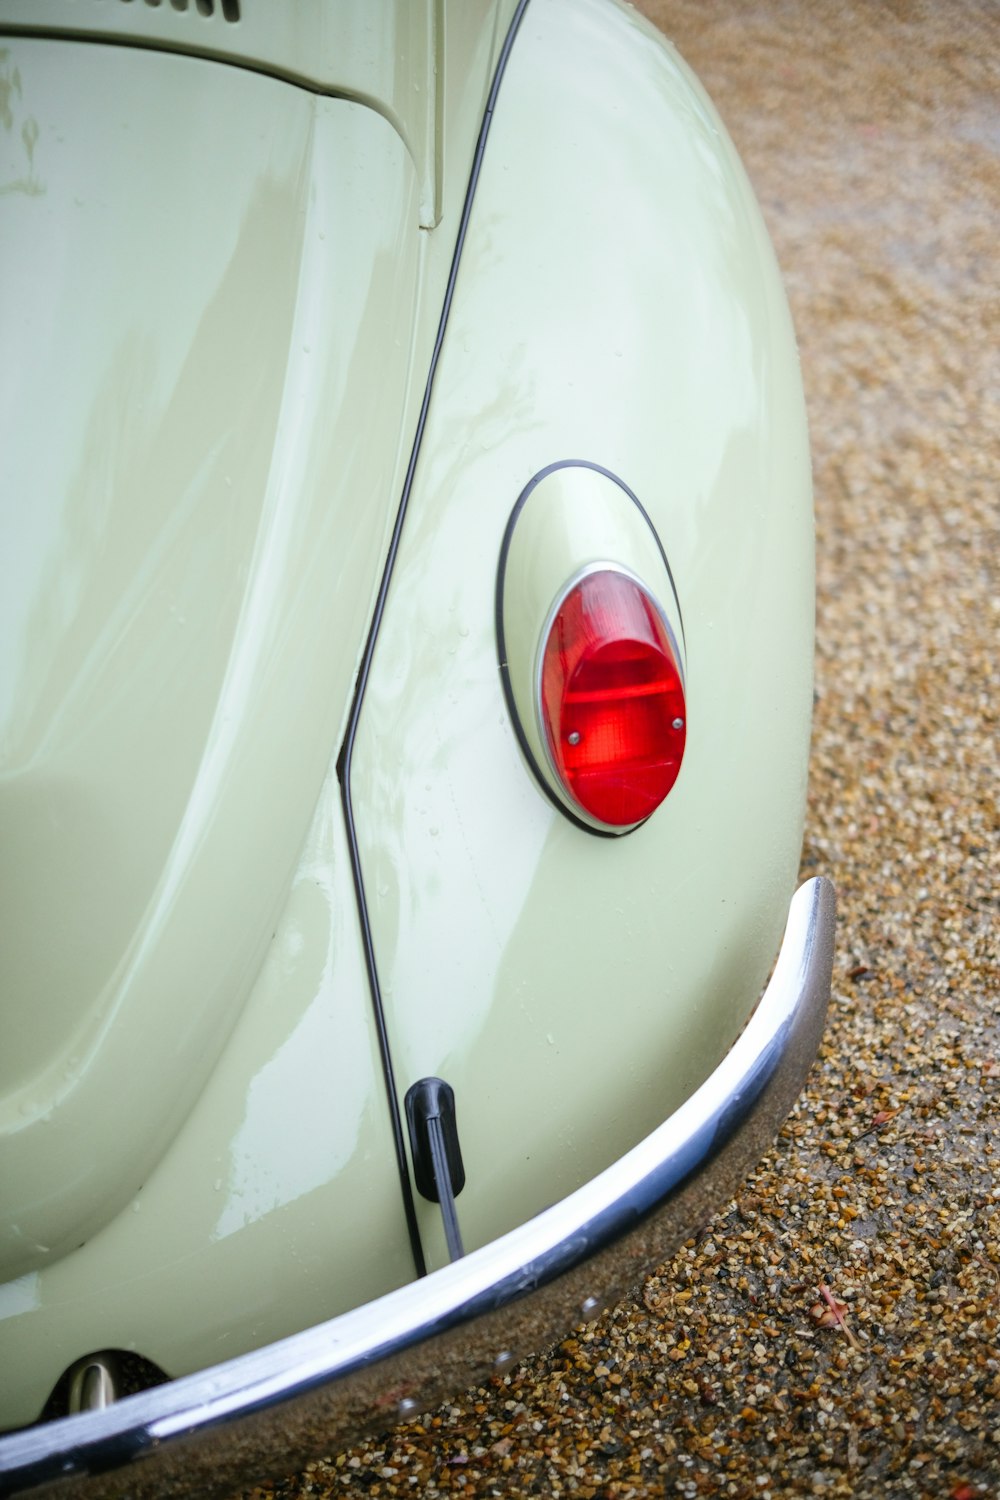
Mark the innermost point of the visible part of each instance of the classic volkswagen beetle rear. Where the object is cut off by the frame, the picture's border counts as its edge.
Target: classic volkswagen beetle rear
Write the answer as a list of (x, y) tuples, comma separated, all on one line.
[(406, 698)]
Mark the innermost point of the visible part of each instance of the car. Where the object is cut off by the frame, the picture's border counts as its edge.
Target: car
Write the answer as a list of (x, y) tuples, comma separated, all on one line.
[(407, 685)]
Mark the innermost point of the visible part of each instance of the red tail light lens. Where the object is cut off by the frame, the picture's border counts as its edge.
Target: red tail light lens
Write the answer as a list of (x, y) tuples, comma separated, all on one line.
[(612, 699)]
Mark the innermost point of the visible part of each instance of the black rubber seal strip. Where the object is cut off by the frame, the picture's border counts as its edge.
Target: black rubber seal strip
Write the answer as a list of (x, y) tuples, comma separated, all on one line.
[(508, 691), (347, 753)]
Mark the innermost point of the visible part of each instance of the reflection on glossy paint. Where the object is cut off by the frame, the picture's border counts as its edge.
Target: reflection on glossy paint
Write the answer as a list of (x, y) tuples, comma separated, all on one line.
[(20, 1296), (292, 1139), (131, 529), (19, 134), (191, 559), (268, 1170), (437, 788), (289, 1135)]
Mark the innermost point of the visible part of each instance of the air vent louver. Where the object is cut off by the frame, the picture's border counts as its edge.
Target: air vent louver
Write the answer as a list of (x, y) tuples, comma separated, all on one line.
[(229, 10)]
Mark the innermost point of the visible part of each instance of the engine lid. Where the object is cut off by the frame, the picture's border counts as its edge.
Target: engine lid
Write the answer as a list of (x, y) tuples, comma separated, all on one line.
[(384, 53), (206, 273)]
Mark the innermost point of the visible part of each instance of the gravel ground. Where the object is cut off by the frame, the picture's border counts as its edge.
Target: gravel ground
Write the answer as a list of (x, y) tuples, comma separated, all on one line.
[(835, 1332)]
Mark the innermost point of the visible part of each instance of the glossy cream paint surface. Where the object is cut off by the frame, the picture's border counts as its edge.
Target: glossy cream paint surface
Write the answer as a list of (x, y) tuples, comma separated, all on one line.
[(205, 274), (617, 302), (277, 1202), (382, 53), (277, 1205)]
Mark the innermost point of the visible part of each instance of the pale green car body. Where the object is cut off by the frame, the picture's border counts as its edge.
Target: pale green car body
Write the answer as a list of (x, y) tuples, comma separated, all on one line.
[(225, 251)]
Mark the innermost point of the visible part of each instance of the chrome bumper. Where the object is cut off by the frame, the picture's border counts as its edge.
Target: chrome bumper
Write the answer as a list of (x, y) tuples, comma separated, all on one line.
[(272, 1410)]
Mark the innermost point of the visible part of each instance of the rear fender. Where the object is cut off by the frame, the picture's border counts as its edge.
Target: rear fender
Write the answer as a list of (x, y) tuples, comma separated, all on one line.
[(617, 303)]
